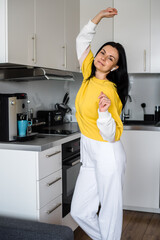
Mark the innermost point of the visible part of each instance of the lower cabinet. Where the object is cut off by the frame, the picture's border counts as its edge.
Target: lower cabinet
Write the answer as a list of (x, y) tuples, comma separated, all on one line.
[(142, 176), (31, 184)]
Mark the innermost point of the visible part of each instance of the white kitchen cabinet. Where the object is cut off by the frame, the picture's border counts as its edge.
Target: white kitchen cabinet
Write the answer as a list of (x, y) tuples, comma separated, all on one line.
[(142, 182), (49, 20), (155, 36), (21, 41), (31, 184), (104, 32), (42, 33), (132, 30), (3, 38), (71, 28)]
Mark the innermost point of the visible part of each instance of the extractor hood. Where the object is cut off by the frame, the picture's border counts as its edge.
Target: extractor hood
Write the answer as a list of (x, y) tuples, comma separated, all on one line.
[(17, 72)]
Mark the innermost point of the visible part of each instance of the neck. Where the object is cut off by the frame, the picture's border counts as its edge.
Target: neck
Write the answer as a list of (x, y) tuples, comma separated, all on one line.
[(101, 75)]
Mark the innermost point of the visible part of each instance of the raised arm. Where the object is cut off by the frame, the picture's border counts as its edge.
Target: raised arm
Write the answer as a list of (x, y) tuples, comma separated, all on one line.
[(87, 33)]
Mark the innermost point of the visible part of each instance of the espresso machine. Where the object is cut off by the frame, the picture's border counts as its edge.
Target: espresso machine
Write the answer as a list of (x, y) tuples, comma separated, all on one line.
[(12, 107)]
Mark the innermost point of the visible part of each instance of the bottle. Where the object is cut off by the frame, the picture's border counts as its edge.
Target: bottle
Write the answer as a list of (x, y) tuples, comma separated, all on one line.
[(157, 114)]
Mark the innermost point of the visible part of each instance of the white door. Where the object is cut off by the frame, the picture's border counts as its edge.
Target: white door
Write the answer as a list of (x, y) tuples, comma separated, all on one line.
[(49, 30), (21, 31), (72, 8), (132, 30), (3, 40), (141, 184), (155, 36)]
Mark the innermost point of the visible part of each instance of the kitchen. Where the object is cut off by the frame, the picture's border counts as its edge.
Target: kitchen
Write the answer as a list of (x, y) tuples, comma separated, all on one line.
[(45, 94)]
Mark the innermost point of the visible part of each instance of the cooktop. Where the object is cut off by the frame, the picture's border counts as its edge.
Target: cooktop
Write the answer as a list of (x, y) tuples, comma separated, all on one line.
[(63, 129)]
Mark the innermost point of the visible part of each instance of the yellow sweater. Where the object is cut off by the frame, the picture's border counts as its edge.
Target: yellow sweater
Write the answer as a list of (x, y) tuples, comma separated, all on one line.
[(87, 103)]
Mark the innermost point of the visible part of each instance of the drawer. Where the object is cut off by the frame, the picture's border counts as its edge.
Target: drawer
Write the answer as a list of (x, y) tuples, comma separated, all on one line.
[(49, 188), (49, 161), (52, 212)]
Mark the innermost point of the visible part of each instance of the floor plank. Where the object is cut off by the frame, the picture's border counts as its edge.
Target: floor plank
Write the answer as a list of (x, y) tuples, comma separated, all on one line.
[(136, 226), (153, 229)]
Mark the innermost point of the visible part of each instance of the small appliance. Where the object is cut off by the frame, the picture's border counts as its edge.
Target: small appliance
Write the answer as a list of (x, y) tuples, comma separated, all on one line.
[(13, 106)]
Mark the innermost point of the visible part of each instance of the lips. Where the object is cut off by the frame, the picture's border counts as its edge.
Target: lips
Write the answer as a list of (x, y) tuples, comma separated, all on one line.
[(100, 63)]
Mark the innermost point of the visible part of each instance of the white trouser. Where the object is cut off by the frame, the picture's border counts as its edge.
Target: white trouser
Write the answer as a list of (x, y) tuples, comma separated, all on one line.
[(100, 183)]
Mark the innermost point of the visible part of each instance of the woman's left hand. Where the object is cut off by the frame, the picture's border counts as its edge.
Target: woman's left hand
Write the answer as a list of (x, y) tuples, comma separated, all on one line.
[(104, 102)]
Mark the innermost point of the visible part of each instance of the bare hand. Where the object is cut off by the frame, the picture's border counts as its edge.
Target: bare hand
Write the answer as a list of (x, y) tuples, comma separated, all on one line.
[(109, 12), (104, 102), (106, 13)]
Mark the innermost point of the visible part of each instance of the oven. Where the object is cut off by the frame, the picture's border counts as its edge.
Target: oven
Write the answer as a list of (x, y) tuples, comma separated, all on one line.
[(70, 170)]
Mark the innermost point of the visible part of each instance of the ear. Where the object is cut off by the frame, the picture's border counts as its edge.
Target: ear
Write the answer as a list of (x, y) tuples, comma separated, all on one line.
[(115, 68)]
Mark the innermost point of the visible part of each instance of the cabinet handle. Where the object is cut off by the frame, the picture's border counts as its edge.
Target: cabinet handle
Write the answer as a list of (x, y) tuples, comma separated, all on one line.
[(65, 56), (145, 60), (52, 154), (50, 184), (34, 49), (50, 211)]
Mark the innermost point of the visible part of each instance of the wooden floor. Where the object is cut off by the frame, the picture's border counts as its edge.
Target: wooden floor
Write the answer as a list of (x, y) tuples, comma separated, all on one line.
[(136, 226)]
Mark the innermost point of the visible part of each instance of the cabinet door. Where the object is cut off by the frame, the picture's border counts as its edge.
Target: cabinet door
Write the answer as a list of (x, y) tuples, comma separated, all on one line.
[(155, 36), (21, 31), (104, 32), (132, 30), (3, 31), (50, 33), (72, 8), (141, 184)]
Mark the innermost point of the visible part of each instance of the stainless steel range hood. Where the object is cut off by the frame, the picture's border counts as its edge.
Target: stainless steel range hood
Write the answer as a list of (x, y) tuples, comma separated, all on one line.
[(17, 72)]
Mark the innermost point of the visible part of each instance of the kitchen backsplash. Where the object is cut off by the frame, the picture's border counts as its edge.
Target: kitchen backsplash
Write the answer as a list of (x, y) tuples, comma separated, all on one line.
[(145, 88)]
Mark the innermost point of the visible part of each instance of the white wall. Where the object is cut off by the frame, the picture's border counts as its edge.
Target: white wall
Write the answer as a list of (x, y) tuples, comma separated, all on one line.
[(45, 94), (145, 88)]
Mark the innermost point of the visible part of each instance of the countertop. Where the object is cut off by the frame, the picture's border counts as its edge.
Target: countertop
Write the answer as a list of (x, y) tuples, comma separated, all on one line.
[(45, 141), (40, 143)]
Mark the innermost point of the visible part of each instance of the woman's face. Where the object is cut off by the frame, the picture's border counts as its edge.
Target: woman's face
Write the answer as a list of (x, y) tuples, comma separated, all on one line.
[(106, 59)]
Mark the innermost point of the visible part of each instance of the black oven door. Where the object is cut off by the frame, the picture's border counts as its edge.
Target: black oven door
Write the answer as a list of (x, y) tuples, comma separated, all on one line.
[(70, 171)]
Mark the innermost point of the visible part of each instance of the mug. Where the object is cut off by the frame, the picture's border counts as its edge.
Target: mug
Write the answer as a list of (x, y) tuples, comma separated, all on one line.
[(22, 127)]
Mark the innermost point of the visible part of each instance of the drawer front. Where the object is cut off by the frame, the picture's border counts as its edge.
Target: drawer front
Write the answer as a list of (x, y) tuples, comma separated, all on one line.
[(49, 188), (49, 161), (52, 212)]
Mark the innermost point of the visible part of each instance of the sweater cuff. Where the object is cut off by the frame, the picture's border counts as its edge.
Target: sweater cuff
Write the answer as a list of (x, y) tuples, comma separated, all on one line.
[(103, 115), (91, 25)]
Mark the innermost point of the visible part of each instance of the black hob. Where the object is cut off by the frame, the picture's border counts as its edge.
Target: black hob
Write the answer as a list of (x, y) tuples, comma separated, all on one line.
[(63, 129)]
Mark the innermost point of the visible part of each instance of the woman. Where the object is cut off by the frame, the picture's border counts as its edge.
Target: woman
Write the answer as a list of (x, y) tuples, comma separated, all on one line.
[(98, 107)]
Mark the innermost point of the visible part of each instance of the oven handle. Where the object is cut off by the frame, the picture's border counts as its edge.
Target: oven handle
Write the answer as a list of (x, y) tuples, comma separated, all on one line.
[(73, 163)]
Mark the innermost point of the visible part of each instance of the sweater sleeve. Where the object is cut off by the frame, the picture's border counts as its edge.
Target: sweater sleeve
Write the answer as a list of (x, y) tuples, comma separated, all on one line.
[(84, 39), (106, 125)]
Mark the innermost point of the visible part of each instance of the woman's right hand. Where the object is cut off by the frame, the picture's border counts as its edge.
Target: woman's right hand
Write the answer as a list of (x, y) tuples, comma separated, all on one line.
[(106, 13), (109, 12)]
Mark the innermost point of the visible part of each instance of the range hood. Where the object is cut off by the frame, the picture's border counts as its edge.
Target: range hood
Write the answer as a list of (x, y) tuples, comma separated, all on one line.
[(17, 72)]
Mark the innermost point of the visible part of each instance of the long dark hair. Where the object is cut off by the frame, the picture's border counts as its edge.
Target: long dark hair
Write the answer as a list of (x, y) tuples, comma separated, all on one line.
[(119, 76)]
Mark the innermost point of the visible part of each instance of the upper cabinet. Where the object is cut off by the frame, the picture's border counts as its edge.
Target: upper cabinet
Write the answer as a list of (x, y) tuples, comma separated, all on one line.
[(42, 33), (104, 32), (3, 50), (135, 27), (21, 31), (155, 36), (132, 30)]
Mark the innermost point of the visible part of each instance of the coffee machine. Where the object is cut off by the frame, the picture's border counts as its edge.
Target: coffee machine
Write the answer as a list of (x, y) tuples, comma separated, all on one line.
[(12, 107)]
